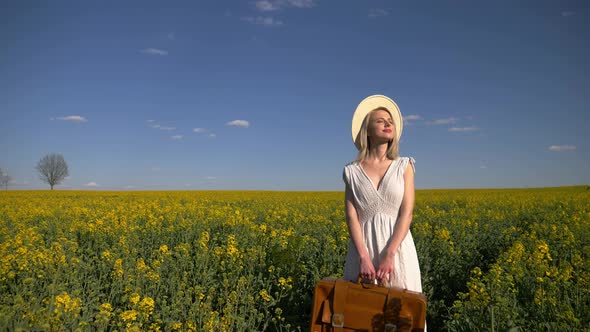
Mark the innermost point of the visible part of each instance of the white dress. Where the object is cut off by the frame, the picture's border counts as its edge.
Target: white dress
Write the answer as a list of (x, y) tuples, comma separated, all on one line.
[(377, 211)]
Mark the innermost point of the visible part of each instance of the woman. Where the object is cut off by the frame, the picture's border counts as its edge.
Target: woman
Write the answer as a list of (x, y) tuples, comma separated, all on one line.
[(380, 199)]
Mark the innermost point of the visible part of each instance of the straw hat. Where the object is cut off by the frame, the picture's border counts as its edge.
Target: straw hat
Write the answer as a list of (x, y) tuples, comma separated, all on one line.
[(367, 105)]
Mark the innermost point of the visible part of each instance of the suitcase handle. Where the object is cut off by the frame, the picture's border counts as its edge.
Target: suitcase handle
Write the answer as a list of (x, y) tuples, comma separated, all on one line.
[(374, 283)]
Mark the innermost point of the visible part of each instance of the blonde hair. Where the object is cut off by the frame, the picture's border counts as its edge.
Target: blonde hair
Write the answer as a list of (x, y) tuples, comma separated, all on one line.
[(392, 146)]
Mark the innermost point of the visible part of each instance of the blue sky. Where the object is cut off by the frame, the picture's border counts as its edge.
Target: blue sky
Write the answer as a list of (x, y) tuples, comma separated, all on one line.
[(152, 95)]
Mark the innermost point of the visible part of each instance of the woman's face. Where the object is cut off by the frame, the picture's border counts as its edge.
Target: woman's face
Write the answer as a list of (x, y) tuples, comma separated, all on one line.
[(381, 127)]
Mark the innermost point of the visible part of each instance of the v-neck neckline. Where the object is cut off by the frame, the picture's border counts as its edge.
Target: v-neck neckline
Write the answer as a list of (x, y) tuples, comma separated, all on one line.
[(379, 185)]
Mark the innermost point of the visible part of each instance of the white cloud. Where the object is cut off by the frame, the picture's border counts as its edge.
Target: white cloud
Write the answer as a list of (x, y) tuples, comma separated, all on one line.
[(272, 5), (265, 5), (562, 148), (412, 117), (266, 21), (211, 178), (378, 12), (443, 121), (409, 119), (567, 13), (154, 51), (463, 129), (74, 118), (239, 123), (483, 166), (301, 3), (204, 131), (91, 184), (176, 137), (157, 126)]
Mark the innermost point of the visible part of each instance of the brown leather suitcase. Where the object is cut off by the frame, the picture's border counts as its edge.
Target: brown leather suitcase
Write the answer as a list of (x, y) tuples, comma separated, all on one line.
[(341, 305)]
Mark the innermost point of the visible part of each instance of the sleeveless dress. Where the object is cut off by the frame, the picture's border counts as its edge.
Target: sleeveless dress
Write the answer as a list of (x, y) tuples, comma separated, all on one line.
[(377, 211)]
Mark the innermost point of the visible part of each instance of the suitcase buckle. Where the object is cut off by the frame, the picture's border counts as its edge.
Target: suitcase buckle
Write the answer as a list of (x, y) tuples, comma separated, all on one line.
[(390, 327), (338, 320)]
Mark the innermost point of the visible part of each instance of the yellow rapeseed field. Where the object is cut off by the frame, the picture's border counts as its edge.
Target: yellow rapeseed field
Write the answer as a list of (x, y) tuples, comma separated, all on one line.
[(248, 261)]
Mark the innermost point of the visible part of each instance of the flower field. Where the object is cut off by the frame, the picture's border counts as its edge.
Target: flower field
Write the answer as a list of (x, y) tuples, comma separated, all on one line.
[(248, 261)]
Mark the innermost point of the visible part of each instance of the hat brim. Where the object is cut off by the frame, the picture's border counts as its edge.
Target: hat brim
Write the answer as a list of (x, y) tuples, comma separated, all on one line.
[(369, 104)]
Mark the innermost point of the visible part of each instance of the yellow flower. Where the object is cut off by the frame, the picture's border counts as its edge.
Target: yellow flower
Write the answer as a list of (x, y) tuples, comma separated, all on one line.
[(106, 309), (285, 283), (476, 271), (204, 240), (191, 326), (134, 298), (141, 266), (107, 255), (443, 234), (129, 315), (147, 305), (154, 327), (543, 251), (132, 328), (539, 296), (118, 268), (66, 303), (153, 276), (232, 248), (264, 295)]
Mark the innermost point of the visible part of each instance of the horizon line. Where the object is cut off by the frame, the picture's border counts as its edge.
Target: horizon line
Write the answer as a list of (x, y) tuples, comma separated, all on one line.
[(277, 190)]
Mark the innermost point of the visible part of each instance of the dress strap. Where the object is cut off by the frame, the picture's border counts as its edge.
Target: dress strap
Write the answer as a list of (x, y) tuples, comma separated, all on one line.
[(412, 161)]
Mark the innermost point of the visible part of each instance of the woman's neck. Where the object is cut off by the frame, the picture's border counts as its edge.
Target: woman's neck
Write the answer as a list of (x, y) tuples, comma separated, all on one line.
[(377, 153)]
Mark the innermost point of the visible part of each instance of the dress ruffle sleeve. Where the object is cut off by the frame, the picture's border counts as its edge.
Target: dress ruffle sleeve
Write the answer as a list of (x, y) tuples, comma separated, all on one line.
[(411, 161), (345, 176)]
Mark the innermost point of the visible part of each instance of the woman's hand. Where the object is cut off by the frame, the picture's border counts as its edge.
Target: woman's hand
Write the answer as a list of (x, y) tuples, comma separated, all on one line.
[(367, 269), (385, 271)]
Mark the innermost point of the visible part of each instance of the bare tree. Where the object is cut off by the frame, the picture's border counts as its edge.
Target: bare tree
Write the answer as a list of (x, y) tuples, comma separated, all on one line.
[(53, 169), (4, 179)]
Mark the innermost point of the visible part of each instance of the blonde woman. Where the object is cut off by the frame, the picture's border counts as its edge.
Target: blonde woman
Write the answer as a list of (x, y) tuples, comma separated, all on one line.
[(380, 199)]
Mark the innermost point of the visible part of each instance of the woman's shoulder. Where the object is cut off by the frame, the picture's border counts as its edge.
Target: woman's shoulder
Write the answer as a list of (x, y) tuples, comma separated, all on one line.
[(404, 161), (350, 164), (347, 170)]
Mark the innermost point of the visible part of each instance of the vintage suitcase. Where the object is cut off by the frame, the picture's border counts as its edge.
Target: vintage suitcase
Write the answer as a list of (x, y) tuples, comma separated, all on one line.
[(341, 305)]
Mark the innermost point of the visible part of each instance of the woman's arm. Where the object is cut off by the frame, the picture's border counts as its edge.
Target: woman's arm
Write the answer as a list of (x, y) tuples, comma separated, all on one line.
[(406, 211), (367, 270), (402, 226)]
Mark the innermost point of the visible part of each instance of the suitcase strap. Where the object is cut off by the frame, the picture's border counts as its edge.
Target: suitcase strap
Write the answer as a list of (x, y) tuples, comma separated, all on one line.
[(390, 313), (340, 290), (393, 319)]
